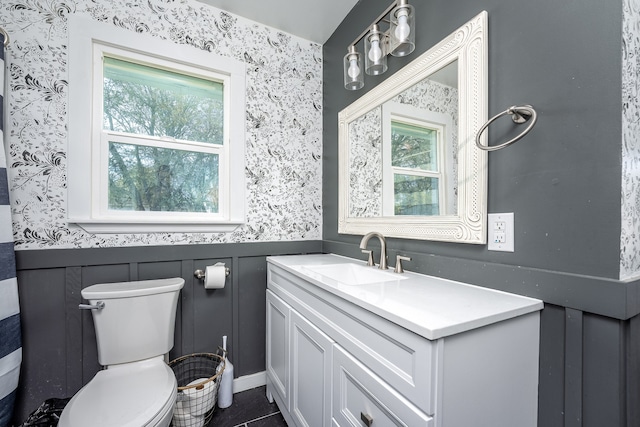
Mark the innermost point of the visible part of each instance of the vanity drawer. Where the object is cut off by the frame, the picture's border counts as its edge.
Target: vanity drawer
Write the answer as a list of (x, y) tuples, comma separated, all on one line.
[(403, 359), (361, 398)]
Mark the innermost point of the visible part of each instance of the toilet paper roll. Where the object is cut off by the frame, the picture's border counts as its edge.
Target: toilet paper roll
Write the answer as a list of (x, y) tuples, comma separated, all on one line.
[(215, 276), (199, 401)]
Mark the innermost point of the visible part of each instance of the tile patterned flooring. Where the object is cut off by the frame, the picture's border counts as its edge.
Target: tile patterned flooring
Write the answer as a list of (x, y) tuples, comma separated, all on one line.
[(250, 408)]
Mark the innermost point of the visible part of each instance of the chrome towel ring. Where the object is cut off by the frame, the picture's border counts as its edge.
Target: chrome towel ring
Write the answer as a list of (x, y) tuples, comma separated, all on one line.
[(519, 115)]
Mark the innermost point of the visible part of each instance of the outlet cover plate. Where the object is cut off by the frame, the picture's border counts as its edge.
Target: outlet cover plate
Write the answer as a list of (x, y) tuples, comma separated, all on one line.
[(500, 232)]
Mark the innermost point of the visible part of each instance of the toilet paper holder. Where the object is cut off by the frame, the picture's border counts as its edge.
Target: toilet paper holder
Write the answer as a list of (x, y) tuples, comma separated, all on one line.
[(200, 274)]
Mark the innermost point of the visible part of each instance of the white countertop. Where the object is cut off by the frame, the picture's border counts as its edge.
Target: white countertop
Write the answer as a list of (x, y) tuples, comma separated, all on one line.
[(428, 306)]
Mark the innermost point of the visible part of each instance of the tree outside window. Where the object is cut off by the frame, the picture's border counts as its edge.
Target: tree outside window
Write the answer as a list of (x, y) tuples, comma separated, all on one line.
[(164, 132)]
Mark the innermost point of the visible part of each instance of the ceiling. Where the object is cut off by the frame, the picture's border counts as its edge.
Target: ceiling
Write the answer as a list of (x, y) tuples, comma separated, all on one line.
[(313, 20)]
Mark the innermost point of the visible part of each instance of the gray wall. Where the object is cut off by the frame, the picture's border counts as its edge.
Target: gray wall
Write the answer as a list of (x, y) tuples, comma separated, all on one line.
[(59, 349), (562, 181)]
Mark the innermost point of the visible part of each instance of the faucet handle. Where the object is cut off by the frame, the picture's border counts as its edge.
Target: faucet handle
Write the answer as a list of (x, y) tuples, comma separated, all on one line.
[(399, 259), (370, 262)]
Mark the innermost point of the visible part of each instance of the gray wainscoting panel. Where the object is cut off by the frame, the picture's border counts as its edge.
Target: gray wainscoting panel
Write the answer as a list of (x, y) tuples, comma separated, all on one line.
[(573, 326), (44, 352), (589, 368), (604, 372), (252, 294), (74, 321), (159, 270), (552, 364), (210, 315), (633, 369), (588, 373), (59, 348)]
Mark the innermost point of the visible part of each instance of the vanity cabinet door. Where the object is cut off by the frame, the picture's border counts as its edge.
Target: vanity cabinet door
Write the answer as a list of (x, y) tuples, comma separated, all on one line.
[(277, 346), (311, 352), (361, 398)]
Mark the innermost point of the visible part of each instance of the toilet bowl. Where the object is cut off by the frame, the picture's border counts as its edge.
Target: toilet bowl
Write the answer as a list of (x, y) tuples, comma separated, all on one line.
[(130, 395), (134, 329)]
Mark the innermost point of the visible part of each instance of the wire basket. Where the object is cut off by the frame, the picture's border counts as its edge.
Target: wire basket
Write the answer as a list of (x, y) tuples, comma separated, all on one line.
[(198, 377)]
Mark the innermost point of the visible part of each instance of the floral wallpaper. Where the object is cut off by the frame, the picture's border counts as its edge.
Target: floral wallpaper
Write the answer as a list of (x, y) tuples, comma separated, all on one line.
[(283, 118), (630, 207), (365, 145), (365, 165)]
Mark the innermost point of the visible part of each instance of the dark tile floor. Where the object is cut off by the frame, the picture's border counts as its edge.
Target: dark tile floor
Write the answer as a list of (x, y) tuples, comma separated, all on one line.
[(249, 409)]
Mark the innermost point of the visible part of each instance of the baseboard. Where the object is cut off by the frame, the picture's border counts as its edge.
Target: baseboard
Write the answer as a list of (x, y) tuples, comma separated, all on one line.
[(248, 382)]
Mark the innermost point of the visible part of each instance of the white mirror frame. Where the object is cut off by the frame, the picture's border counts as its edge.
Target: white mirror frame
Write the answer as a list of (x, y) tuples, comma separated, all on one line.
[(468, 45)]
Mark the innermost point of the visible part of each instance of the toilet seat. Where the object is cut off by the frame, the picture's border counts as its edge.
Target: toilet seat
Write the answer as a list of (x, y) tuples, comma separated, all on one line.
[(138, 394)]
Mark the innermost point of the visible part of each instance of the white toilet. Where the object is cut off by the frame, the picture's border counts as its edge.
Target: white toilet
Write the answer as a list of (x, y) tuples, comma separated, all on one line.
[(134, 324)]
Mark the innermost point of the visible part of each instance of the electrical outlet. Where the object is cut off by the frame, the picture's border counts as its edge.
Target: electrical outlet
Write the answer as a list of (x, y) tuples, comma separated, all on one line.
[(500, 232)]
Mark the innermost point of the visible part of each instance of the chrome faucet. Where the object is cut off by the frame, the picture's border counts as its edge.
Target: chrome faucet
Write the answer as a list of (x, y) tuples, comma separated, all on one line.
[(383, 247)]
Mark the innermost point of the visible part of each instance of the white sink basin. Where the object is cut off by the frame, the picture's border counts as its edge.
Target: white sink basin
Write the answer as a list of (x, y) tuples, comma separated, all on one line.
[(354, 274)]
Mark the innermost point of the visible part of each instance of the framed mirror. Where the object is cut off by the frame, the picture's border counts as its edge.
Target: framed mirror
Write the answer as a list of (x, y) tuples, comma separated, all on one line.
[(408, 163)]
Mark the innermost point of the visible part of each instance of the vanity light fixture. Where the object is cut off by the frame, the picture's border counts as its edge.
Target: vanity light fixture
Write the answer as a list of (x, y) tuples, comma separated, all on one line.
[(403, 35), (353, 76), (375, 56), (398, 40)]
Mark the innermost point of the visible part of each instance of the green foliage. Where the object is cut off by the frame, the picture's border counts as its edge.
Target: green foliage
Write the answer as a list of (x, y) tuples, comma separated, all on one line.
[(148, 178), (145, 178), (415, 195), (414, 148), (146, 110)]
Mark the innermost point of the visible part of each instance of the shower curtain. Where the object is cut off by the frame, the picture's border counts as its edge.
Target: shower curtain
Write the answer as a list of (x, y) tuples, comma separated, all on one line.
[(10, 344)]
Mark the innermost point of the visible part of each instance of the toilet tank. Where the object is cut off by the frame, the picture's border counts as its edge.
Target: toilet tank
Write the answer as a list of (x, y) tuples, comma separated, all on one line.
[(138, 318)]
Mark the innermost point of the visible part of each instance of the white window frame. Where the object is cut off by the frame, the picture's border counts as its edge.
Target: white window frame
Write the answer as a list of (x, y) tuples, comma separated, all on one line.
[(442, 123), (87, 156)]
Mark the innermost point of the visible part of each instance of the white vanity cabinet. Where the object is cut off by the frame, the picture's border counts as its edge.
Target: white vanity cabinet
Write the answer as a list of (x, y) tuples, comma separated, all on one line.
[(277, 351), (301, 382), (415, 352)]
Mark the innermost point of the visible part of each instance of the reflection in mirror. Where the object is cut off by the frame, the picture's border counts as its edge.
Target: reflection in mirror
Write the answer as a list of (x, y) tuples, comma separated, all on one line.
[(402, 154), (408, 164)]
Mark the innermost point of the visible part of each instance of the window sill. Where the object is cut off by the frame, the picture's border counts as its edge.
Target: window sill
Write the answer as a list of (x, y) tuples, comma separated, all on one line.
[(94, 226)]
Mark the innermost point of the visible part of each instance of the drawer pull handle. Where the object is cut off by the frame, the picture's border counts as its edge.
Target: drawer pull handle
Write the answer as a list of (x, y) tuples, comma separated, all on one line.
[(366, 419)]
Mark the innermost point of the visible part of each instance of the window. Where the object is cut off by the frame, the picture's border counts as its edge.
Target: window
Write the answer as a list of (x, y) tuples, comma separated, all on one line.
[(162, 136), (416, 161), (159, 143), (415, 164)]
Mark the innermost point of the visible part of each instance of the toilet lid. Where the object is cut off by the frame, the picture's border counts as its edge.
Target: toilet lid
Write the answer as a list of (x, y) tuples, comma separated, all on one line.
[(128, 395)]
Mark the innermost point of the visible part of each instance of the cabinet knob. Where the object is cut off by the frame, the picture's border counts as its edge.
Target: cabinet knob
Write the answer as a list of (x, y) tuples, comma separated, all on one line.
[(366, 419)]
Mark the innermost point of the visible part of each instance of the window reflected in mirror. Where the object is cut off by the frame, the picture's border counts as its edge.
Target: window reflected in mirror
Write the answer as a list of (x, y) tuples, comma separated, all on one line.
[(403, 153), (415, 166)]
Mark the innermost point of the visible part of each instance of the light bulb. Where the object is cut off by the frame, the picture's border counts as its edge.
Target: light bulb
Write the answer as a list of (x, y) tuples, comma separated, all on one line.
[(402, 29), (375, 53), (354, 70)]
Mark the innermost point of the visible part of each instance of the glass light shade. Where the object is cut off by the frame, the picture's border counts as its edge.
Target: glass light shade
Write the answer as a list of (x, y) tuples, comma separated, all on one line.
[(375, 51), (353, 75), (403, 34)]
